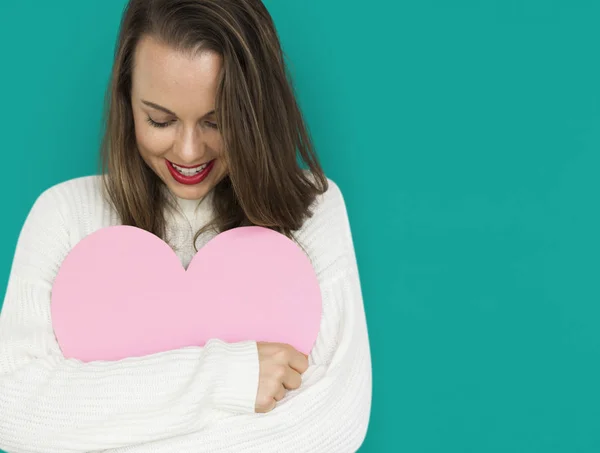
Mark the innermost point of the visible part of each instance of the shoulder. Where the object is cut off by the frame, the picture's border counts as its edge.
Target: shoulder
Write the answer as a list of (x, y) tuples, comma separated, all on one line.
[(52, 226), (326, 235), (69, 189), (77, 205), (328, 212), (70, 196), (74, 190), (58, 197), (329, 203)]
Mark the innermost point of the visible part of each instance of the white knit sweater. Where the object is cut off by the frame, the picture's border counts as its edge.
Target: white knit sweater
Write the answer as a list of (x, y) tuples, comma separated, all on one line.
[(195, 399)]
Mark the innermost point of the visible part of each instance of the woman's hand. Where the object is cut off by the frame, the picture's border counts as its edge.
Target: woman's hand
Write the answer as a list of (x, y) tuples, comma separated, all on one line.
[(281, 367)]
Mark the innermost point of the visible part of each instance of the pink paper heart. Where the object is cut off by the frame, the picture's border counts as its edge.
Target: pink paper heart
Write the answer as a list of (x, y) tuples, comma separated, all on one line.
[(122, 292)]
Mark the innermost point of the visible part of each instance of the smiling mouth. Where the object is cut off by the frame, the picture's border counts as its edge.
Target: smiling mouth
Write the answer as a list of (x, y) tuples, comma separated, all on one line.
[(189, 171)]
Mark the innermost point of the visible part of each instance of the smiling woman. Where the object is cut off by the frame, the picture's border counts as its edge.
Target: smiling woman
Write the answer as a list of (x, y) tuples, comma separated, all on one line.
[(203, 135)]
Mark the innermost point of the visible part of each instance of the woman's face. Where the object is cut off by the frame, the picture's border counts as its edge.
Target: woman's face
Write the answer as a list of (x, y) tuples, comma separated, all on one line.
[(173, 102)]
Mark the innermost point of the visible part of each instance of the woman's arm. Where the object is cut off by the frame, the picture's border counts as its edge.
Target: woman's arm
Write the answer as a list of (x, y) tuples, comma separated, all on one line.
[(52, 404), (330, 411), (328, 414)]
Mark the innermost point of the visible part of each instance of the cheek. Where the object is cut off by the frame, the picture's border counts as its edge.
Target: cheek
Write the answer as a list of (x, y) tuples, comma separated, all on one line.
[(216, 144), (150, 141)]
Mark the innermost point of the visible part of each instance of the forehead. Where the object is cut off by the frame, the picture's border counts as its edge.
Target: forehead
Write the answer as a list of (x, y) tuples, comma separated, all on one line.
[(174, 78)]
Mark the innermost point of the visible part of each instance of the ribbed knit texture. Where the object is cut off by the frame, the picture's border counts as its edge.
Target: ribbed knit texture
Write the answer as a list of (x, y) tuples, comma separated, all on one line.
[(195, 399)]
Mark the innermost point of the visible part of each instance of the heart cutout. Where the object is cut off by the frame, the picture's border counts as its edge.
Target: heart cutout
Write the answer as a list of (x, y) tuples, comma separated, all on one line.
[(122, 292)]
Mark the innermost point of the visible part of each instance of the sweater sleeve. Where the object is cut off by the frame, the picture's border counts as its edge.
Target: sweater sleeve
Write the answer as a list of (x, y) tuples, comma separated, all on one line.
[(52, 404), (330, 411)]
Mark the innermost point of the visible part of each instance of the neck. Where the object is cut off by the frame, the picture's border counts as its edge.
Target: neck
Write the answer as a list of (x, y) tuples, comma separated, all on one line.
[(190, 208)]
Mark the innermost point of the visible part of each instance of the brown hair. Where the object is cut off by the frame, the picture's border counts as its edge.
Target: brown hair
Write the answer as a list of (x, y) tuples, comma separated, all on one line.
[(265, 138)]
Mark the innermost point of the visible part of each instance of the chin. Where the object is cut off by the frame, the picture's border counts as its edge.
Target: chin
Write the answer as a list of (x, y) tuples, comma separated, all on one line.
[(189, 192)]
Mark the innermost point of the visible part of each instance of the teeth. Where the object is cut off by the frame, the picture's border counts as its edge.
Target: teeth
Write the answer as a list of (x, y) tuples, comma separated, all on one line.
[(189, 171)]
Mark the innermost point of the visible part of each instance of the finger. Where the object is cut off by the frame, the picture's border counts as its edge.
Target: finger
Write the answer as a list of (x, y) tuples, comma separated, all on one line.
[(298, 361), (280, 394), (269, 408), (292, 379)]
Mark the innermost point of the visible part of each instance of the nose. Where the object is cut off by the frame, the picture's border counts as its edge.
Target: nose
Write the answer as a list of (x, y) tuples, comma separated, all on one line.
[(189, 146)]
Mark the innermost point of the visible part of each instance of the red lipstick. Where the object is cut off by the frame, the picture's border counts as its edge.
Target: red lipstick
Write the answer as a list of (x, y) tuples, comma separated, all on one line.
[(190, 180)]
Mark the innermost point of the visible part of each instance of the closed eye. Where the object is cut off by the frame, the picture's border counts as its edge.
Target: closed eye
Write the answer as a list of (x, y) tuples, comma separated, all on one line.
[(167, 124), (155, 124)]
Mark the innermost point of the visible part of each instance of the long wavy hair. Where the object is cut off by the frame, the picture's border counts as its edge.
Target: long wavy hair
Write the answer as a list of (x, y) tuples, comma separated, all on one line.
[(266, 141)]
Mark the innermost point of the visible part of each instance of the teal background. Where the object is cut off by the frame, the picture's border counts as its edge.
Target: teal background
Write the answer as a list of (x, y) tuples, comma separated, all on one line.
[(465, 136)]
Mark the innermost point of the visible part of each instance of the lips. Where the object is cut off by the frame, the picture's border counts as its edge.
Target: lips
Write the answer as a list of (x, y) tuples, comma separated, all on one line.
[(189, 171), (189, 175)]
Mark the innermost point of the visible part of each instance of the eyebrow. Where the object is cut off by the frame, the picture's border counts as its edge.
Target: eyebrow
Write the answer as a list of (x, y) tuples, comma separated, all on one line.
[(166, 110)]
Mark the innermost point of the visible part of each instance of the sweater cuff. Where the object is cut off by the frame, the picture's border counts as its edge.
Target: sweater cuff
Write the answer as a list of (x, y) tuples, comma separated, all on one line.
[(236, 383)]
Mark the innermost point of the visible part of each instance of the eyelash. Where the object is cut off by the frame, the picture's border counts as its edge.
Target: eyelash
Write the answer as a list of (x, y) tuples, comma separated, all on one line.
[(163, 125)]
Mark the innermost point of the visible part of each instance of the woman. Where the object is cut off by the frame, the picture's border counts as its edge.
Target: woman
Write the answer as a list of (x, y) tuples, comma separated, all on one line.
[(202, 135)]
